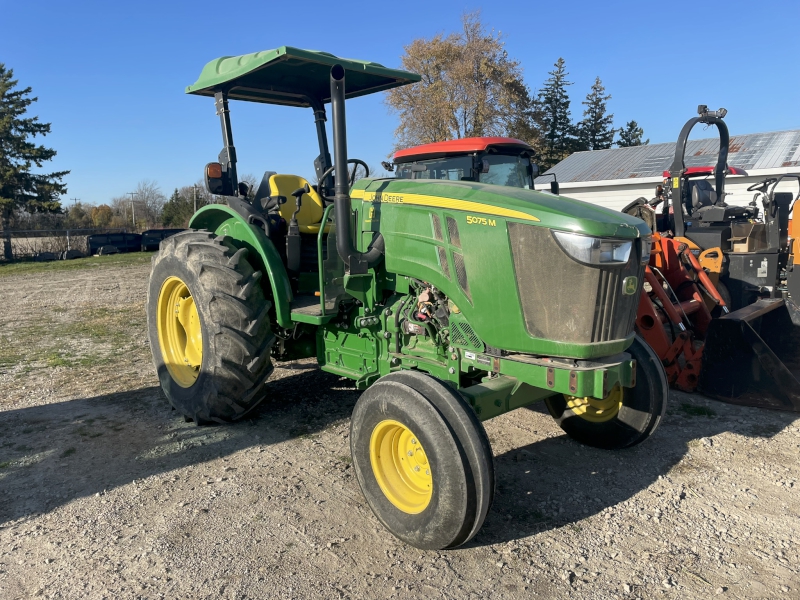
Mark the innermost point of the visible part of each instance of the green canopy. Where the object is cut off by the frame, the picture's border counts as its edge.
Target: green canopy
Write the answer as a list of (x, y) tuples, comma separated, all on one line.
[(293, 77)]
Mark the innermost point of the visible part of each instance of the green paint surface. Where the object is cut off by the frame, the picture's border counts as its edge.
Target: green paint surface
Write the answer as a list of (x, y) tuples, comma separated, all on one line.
[(290, 76)]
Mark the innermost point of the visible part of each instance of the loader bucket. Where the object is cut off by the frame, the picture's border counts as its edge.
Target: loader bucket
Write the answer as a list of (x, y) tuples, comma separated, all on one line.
[(752, 356)]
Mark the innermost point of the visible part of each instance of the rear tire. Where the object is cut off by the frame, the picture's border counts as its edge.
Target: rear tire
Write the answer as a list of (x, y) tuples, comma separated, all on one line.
[(438, 501), (213, 356), (639, 413)]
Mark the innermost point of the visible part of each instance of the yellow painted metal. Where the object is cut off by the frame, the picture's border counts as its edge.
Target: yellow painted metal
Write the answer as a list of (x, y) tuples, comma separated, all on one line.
[(711, 260), (595, 409), (435, 201), (401, 466), (311, 207), (180, 336)]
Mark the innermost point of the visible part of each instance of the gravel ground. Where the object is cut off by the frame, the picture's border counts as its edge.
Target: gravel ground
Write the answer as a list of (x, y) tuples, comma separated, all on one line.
[(105, 492)]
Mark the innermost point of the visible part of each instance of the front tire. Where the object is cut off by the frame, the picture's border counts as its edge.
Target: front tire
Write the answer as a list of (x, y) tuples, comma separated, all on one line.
[(625, 417), (208, 326), (423, 460)]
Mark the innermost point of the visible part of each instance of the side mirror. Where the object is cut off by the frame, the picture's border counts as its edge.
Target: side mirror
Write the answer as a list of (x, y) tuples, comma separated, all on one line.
[(217, 181), (554, 187), (387, 166)]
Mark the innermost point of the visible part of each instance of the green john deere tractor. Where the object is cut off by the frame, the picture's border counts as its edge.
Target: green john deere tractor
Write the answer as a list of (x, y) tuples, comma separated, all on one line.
[(449, 302)]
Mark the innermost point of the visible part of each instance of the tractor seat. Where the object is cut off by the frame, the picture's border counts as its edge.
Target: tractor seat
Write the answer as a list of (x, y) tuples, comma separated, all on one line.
[(311, 208), (703, 194)]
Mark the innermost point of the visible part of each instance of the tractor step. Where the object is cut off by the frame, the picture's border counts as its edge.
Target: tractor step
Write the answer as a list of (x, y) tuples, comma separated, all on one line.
[(307, 308)]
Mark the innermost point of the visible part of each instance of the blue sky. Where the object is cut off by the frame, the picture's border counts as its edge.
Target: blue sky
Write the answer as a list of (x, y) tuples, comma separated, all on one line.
[(110, 75)]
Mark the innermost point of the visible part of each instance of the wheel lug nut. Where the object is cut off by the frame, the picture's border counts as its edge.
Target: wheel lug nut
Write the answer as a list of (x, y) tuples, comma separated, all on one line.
[(413, 441), (427, 471), (416, 468), (410, 453)]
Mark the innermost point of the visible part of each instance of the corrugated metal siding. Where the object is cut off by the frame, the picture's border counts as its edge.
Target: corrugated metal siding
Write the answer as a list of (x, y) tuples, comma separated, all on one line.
[(753, 151), (616, 196)]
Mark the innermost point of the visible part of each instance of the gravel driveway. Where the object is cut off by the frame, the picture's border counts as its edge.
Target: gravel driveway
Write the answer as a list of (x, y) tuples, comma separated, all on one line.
[(105, 492)]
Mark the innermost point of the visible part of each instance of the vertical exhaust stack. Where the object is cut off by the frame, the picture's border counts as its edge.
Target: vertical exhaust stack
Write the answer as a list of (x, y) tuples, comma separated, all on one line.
[(356, 262)]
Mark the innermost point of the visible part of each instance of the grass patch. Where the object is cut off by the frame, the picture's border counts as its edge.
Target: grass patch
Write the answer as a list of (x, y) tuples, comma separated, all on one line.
[(690, 410), (68, 452), (114, 260), (345, 459), (56, 342), (3, 465)]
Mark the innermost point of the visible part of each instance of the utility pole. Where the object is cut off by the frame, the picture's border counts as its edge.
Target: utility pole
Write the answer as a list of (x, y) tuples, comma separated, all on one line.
[(194, 187), (133, 210), (74, 202)]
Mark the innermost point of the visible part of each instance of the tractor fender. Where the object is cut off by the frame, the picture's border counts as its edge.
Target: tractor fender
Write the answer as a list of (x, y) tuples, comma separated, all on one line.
[(223, 220)]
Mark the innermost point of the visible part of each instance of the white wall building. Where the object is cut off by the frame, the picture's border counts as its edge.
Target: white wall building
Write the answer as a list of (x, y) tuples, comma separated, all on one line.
[(615, 177)]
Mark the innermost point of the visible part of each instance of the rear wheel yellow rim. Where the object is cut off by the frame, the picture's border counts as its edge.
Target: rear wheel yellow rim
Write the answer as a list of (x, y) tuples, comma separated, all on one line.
[(596, 410), (179, 333), (401, 466)]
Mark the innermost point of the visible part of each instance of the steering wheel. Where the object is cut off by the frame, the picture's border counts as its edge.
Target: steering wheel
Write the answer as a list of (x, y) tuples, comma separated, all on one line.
[(761, 186), (352, 177)]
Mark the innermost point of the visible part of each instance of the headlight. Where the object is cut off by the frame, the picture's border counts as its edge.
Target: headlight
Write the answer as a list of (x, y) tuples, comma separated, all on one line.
[(595, 251), (647, 245)]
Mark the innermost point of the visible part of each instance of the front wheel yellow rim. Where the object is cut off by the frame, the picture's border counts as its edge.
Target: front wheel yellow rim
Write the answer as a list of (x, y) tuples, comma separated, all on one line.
[(401, 466), (180, 336), (596, 410)]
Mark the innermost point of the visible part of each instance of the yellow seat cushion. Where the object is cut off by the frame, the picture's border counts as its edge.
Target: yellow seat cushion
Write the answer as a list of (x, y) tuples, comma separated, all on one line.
[(311, 206)]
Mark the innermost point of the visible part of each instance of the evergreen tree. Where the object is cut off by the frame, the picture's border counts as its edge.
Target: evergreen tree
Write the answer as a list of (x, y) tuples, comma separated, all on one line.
[(631, 135), (177, 211), (556, 123), (19, 188), (595, 131)]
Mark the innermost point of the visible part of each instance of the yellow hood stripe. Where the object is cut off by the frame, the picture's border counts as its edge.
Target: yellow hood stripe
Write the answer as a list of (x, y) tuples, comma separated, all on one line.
[(435, 201)]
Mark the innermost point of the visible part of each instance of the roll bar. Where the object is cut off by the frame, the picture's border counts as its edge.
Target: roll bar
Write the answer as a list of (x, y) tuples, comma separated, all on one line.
[(678, 168)]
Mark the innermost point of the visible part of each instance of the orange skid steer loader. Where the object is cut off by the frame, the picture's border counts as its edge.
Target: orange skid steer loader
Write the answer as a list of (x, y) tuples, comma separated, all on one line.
[(720, 304)]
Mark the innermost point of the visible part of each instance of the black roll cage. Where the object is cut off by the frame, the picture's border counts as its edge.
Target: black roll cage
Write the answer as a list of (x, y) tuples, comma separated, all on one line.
[(678, 168)]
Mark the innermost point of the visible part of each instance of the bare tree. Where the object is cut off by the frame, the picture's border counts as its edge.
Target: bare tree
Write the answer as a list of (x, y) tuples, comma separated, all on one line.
[(148, 199), (469, 87)]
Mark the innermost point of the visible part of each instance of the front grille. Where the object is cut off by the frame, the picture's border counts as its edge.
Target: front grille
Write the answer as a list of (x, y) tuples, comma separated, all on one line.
[(566, 301), (614, 311)]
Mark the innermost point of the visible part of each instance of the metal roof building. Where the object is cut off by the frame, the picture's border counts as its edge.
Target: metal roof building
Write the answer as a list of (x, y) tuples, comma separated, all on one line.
[(618, 176)]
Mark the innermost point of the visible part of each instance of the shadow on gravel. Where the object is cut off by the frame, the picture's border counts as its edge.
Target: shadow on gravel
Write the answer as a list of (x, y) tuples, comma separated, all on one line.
[(557, 482), (55, 453)]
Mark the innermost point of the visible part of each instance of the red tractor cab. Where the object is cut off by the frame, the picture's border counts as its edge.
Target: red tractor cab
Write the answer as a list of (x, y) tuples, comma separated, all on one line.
[(495, 160)]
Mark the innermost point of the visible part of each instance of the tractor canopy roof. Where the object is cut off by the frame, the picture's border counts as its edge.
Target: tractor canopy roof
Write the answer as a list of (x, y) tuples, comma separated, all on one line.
[(460, 146), (293, 77)]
